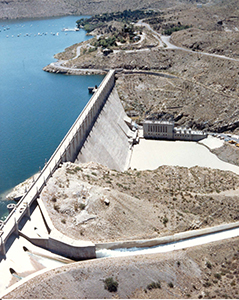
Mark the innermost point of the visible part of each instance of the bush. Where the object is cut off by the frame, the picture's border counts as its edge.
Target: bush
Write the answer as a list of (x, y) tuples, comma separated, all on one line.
[(154, 285), (110, 284), (208, 265), (170, 284), (217, 275), (82, 206), (175, 28), (165, 221)]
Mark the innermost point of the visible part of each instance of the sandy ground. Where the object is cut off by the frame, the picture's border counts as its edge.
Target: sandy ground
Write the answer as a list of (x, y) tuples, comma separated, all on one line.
[(150, 154)]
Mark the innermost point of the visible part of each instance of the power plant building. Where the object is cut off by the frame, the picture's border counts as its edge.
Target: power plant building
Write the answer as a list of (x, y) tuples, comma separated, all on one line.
[(155, 129)]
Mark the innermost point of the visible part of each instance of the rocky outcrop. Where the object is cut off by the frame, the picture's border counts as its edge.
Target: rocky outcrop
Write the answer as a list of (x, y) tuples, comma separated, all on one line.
[(69, 71), (53, 69)]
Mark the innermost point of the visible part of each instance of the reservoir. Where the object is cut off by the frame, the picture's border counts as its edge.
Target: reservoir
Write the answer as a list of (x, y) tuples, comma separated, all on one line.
[(36, 108)]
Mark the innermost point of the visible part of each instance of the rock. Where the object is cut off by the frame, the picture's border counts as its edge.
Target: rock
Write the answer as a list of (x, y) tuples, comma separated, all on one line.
[(83, 217), (107, 201)]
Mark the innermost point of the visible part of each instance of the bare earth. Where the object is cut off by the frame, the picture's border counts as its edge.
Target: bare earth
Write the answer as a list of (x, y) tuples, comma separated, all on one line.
[(198, 90), (174, 199)]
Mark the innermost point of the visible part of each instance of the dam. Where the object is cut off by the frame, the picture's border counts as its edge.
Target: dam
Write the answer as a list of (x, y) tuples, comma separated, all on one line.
[(101, 133)]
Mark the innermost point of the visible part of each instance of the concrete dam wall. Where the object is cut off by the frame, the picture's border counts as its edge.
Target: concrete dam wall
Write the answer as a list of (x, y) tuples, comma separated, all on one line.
[(99, 134), (109, 142)]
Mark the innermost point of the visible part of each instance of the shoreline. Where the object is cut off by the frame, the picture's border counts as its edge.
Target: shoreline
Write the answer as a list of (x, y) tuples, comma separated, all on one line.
[(51, 68)]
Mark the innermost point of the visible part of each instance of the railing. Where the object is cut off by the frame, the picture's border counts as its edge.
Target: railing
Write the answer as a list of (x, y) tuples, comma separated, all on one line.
[(85, 121)]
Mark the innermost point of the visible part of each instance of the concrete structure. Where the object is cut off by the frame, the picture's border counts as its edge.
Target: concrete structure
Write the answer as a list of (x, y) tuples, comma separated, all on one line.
[(75, 139), (111, 138), (185, 235), (156, 129)]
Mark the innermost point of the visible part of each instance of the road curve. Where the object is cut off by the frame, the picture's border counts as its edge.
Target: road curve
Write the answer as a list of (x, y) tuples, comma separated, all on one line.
[(165, 41)]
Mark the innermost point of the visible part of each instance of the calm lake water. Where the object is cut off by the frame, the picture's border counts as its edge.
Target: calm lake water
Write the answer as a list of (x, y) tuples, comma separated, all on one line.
[(36, 108)]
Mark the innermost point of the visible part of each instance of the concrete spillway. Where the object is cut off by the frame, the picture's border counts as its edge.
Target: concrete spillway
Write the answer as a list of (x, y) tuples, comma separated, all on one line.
[(109, 140)]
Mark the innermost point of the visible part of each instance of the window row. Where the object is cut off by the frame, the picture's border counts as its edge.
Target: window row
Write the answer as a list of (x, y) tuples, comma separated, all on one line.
[(157, 128)]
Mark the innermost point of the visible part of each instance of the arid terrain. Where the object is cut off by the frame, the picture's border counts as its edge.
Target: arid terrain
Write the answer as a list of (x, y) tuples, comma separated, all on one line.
[(174, 199), (209, 271), (92, 202), (199, 91), (15, 9)]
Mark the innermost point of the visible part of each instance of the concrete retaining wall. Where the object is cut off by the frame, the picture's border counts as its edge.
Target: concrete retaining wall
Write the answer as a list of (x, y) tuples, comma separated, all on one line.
[(64, 246), (58, 242)]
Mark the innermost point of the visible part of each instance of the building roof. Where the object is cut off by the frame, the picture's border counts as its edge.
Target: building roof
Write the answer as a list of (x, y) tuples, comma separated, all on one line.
[(158, 122)]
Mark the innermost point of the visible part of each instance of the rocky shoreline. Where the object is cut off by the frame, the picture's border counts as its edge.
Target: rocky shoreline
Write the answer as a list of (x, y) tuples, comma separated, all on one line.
[(58, 70)]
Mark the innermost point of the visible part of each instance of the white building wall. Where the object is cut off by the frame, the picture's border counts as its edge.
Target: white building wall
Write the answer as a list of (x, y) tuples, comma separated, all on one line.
[(166, 130)]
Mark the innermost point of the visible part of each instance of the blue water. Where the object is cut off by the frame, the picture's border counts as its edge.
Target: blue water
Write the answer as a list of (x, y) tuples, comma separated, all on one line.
[(36, 108)]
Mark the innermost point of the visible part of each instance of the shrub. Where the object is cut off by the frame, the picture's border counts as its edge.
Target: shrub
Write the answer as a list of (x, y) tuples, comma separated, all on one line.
[(82, 206), (233, 283), (170, 284), (207, 284), (208, 265), (110, 284), (217, 275), (165, 221), (53, 199), (154, 285), (92, 49), (175, 28), (78, 169)]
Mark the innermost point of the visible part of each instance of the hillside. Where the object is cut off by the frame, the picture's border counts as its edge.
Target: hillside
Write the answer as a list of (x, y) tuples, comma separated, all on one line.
[(183, 81), (105, 205), (205, 272), (15, 9)]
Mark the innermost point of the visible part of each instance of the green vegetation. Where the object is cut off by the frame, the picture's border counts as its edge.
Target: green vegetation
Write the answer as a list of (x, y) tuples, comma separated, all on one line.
[(217, 275), (165, 221), (127, 33), (105, 42), (82, 206), (110, 284), (126, 16), (169, 31)]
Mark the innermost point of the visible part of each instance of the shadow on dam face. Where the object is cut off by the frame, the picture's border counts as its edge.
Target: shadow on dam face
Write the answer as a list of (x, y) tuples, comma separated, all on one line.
[(108, 141)]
